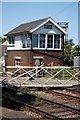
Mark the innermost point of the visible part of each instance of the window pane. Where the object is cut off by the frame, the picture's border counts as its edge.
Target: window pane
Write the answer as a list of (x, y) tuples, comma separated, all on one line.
[(42, 40), (56, 41), (37, 62), (50, 41), (11, 40), (26, 40), (17, 62), (35, 40), (28, 43)]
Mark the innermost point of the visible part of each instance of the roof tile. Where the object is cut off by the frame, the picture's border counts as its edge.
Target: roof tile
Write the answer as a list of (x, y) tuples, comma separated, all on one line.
[(27, 26)]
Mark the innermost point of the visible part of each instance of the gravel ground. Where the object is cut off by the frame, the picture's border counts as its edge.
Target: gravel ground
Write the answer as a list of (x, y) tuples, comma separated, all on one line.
[(8, 113)]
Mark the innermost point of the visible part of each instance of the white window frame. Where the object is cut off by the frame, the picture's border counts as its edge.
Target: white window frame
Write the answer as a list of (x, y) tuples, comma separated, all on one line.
[(37, 60), (46, 41), (28, 40), (12, 42), (41, 39), (17, 63), (52, 42), (37, 41), (59, 43)]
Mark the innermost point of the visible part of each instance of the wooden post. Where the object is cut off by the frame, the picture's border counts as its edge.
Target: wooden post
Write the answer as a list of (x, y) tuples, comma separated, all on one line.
[(36, 71)]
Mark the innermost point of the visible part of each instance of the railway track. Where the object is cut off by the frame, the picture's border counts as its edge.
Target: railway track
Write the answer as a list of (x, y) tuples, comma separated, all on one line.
[(64, 93), (73, 91), (30, 107), (67, 98), (49, 109)]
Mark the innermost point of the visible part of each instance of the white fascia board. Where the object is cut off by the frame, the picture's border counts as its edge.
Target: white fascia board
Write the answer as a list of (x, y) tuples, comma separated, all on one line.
[(50, 19), (60, 28), (39, 26)]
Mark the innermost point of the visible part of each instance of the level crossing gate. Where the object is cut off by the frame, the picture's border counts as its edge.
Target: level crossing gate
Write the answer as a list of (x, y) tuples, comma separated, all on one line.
[(43, 75)]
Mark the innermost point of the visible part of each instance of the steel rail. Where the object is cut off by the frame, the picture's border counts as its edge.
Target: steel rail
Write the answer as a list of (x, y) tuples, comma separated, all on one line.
[(57, 103), (73, 90), (50, 92), (65, 106), (58, 92), (46, 114)]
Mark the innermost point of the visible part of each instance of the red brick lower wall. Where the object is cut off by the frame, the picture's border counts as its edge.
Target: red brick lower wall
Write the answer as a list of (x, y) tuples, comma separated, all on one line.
[(50, 56), (27, 57)]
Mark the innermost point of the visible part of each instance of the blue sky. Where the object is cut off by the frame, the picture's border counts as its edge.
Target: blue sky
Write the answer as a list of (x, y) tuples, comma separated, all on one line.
[(16, 13), (79, 23)]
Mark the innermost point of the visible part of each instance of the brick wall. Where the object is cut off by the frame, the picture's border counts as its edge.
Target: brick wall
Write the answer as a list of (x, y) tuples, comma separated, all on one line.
[(51, 56), (27, 57)]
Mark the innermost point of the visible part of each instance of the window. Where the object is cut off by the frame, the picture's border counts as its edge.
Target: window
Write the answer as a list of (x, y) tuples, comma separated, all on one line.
[(35, 40), (26, 40), (42, 40), (28, 43), (17, 62), (50, 41), (37, 62), (56, 41), (48, 26), (11, 40)]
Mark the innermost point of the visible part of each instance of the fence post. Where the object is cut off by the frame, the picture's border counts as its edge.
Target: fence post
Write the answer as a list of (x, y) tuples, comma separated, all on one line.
[(63, 74), (36, 71)]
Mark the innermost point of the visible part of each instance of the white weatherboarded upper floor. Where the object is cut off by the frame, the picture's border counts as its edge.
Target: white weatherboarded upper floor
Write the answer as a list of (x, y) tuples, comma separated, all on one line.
[(41, 34)]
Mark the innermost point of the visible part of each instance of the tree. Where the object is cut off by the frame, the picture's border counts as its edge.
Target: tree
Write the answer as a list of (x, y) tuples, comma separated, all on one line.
[(70, 50), (76, 50), (68, 56), (2, 40)]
